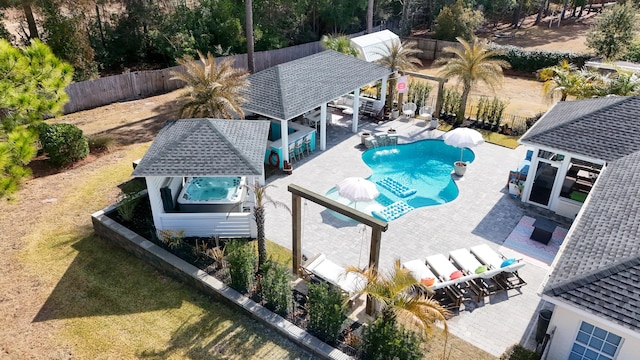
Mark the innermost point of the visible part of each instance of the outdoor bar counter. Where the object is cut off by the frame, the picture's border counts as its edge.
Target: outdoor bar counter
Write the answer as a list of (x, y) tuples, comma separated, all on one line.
[(296, 132)]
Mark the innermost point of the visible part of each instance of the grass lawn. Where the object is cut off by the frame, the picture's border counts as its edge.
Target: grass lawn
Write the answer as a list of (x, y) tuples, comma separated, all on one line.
[(510, 142), (111, 304)]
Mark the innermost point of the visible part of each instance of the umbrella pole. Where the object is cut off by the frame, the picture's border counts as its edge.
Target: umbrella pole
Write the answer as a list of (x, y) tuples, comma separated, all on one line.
[(461, 150)]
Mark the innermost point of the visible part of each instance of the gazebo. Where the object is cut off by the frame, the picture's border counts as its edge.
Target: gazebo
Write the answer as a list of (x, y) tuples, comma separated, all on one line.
[(286, 91), (196, 171)]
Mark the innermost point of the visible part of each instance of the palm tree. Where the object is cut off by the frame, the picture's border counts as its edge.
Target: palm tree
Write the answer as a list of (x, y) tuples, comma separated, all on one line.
[(472, 63), (403, 297), (262, 199), (212, 90), (623, 83), (398, 57), (563, 79), (340, 43)]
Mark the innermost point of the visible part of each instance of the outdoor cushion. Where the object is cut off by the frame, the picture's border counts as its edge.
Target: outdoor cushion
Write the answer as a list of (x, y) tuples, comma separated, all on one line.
[(428, 281), (481, 269), (507, 262), (455, 275)]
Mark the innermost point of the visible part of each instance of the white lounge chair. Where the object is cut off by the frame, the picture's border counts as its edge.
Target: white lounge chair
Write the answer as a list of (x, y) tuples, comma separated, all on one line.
[(470, 264), (448, 297), (409, 110), (507, 268), (451, 275), (327, 270)]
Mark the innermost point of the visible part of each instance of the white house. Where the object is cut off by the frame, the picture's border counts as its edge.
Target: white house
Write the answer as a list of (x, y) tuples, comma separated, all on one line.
[(198, 174), (586, 164)]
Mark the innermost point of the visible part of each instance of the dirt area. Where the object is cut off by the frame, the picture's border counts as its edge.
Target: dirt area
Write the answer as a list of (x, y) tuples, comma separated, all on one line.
[(132, 123)]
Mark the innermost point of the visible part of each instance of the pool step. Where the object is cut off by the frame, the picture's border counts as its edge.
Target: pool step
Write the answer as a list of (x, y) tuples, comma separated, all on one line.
[(393, 211), (395, 187)]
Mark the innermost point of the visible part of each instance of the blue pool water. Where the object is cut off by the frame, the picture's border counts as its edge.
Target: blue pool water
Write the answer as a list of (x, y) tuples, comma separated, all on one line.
[(418, 174)]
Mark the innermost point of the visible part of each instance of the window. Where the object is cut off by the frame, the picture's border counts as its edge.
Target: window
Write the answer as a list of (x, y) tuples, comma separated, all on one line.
[(579, 179), (593, 343)]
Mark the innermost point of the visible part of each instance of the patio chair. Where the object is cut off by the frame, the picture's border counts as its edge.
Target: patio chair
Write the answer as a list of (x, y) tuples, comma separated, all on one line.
[(447, 296), (470, 265), (409, 109), (320, 268), (508, 268), (426, 112), (451, 275)]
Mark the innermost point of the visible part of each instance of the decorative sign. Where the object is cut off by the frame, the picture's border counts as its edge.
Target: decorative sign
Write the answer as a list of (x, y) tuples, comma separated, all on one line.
[(402, 85)]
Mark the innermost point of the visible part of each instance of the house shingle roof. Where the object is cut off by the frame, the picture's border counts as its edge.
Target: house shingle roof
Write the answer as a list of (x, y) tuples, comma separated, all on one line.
[(293, 88), (604, 128), (206, 147), (598, 267)]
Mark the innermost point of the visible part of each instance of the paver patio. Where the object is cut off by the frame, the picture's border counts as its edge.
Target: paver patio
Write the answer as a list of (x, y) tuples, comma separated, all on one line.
[(483, 213)]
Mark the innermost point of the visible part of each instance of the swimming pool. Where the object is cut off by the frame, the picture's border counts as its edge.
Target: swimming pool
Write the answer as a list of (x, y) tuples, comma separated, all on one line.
[(410, 176)]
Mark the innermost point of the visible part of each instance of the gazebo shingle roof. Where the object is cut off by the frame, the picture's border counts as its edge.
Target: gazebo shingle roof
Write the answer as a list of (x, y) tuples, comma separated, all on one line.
[(598, 268), (206, 147), (290, 89)]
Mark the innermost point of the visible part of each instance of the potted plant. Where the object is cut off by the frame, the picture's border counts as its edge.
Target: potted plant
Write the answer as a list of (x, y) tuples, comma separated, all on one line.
[(395, 112), (434, 123), (391, 131), (459, 167), (364, 136)]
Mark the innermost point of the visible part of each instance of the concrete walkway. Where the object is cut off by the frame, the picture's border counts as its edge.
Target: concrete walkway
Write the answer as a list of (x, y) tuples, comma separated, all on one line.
[(483, 213)]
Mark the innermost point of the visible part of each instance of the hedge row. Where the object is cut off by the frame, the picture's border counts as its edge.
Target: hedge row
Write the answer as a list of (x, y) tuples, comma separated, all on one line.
[(533, 60)]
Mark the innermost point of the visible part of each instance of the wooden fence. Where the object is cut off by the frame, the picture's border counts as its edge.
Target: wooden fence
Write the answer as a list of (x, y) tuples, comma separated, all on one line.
[(140, 84), (431, 48)]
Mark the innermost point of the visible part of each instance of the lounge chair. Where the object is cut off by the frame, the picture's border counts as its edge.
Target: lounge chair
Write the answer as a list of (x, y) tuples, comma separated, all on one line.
[(448, 297), (451, 275), (330, 272), (470, 265), (409, 110), (508, 268)]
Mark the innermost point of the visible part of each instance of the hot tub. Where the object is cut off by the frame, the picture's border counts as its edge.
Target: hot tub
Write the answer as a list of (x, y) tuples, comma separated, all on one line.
[(212, 194)]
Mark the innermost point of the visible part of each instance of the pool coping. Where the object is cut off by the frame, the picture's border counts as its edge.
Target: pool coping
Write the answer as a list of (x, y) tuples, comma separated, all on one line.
[(110, 230)]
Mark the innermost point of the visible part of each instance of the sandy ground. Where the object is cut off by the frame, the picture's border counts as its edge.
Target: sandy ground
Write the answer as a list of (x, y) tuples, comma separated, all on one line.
[(22, 294)]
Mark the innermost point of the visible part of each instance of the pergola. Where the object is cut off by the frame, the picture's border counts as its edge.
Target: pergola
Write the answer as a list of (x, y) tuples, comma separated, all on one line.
[(286, 91)]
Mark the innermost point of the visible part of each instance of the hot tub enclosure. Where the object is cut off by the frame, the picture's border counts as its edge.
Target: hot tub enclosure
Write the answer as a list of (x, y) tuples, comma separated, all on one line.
[(213, 148)]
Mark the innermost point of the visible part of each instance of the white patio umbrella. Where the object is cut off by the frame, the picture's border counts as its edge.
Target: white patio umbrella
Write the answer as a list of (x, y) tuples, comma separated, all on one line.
[(357, 189), (463, 138)]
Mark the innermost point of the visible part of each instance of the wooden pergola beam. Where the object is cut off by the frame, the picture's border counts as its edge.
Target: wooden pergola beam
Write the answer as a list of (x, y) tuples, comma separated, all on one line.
[(440, 81), (377, 227)]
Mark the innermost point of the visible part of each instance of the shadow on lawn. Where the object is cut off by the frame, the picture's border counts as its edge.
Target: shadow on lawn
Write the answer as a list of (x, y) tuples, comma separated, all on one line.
[(104, 279)]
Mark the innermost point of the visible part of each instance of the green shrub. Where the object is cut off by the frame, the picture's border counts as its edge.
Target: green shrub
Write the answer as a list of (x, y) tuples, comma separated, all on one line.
[(533, 60), (275, 287), (64, 143), (518, 352), (173, 239), (450, 101), (385, 339), (326, 312), (242, 260), (418, 92), (633, 51), (101, 143)]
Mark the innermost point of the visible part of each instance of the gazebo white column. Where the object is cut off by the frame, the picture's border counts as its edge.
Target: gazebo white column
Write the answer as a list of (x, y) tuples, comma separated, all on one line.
[(383, 90), (356, 110), (284, 137), (323, 126)]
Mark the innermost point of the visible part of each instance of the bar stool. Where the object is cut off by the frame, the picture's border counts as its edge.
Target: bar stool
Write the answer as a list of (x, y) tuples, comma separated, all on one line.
[(306, 142), (292, 152), (298, 147)]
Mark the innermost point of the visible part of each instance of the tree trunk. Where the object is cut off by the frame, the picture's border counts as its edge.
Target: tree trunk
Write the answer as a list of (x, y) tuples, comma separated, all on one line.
[(31, 21), (463, 102), (370, 17), (249, 30), (543, 4), (258, 215), (564, 9), (516, 14)]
